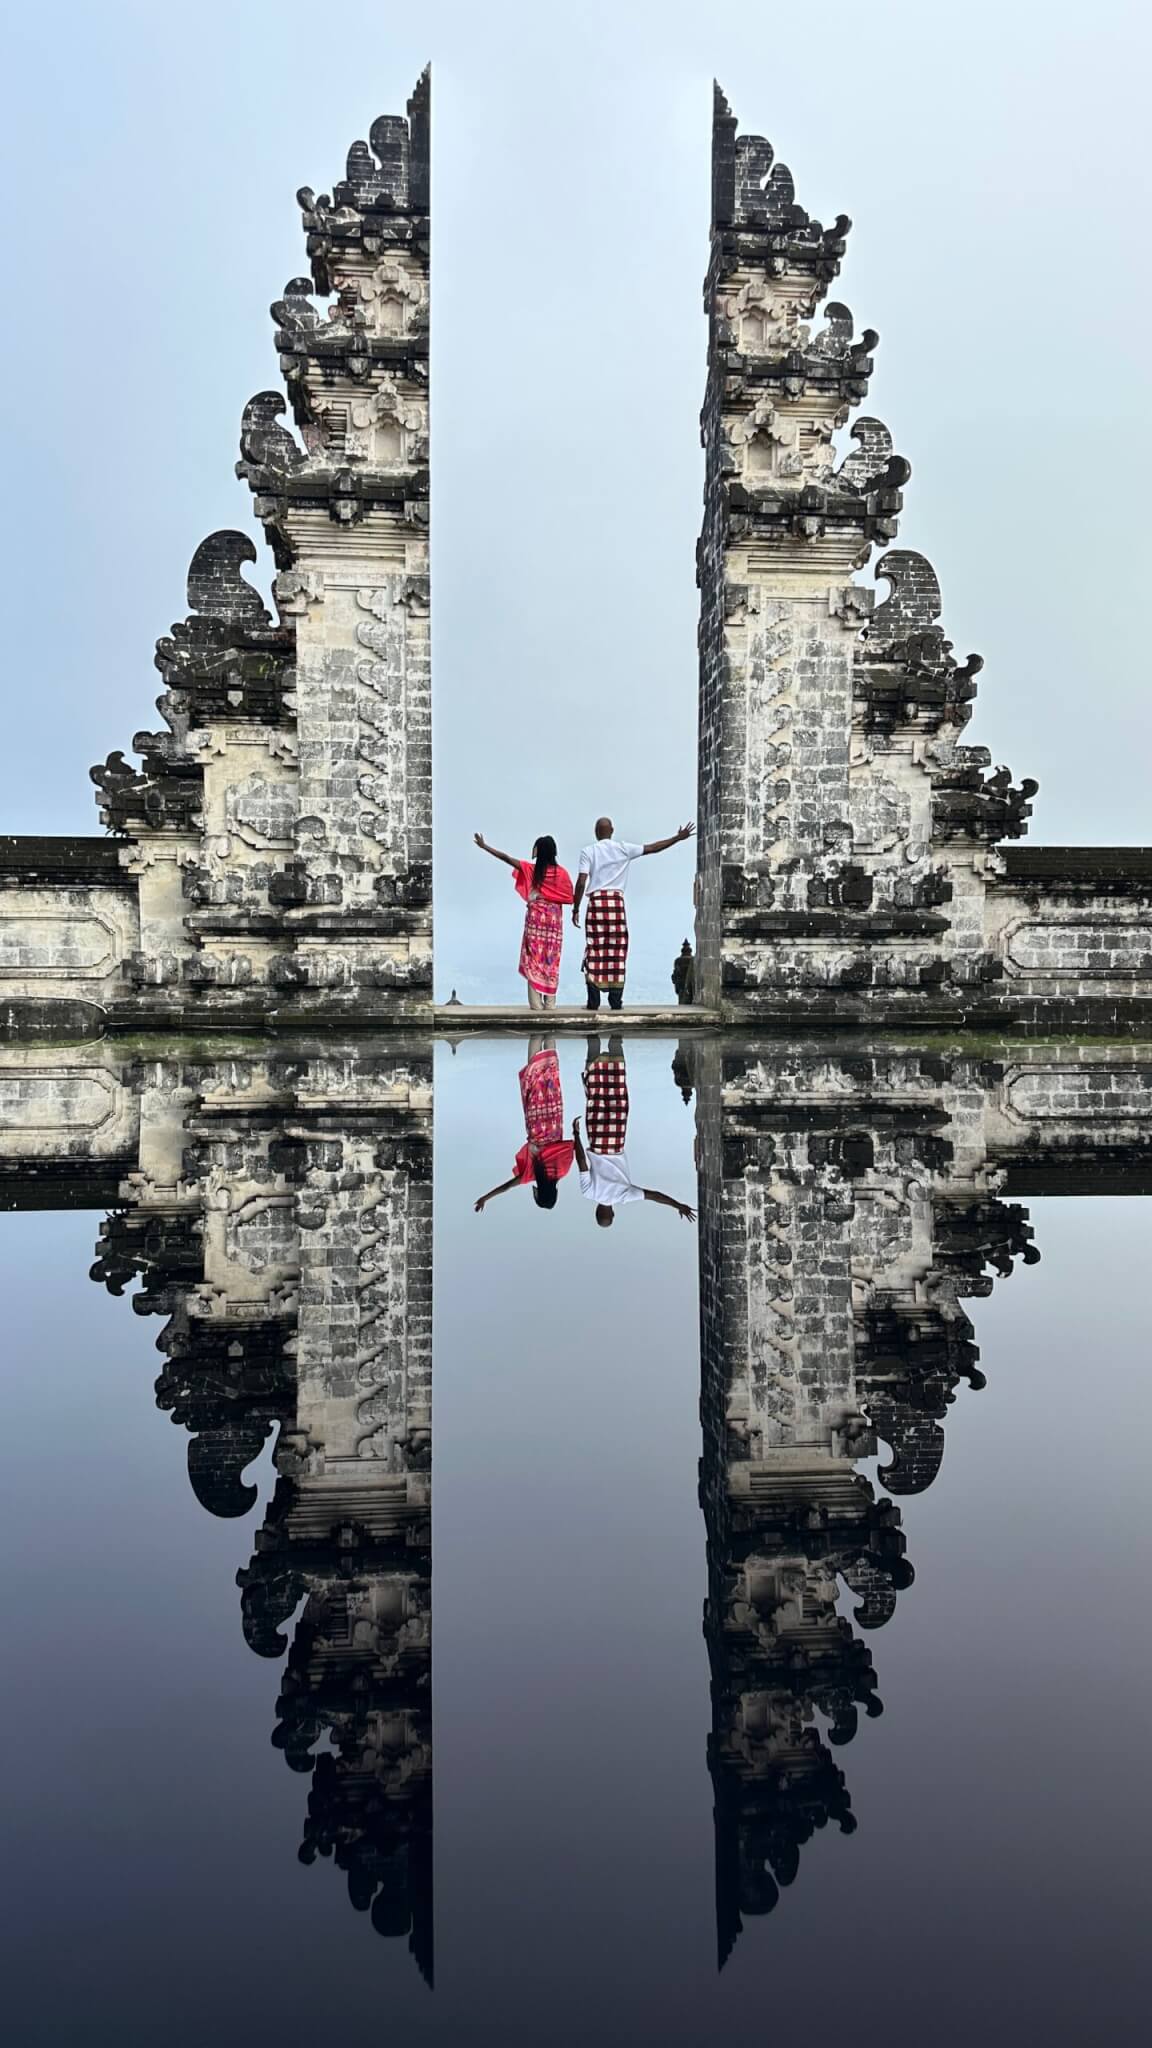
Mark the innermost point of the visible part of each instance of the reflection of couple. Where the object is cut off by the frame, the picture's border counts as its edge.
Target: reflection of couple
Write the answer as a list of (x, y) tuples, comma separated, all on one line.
[(546, 1156), (604, 1174), (546, 887)]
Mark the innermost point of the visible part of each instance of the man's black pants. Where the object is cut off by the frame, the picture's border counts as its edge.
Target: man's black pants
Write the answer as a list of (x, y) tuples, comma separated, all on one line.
[(615, 998)]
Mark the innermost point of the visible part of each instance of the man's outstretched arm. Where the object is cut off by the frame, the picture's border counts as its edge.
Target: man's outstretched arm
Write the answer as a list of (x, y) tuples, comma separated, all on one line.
[(662, 845), (670, 1202), (581, 882)]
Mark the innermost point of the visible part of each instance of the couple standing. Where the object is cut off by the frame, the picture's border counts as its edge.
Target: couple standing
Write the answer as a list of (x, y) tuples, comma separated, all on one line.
[(546, 887)]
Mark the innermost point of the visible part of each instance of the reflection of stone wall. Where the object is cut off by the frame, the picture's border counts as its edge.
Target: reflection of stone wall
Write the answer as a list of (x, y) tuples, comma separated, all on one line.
[(65, 1114), (275, 1209), (850, 1204), (68, 920)]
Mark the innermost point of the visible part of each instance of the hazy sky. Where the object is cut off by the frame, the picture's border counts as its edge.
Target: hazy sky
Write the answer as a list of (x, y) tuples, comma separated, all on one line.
[(995, 161)]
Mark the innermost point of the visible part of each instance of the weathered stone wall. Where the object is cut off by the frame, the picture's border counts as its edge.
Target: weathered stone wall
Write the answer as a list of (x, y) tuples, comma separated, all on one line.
[(1073, 929)]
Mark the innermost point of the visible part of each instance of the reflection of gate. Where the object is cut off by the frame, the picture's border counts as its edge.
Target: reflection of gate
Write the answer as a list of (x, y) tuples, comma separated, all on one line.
[(273, 1207), (276, 1210), (853, 1202)]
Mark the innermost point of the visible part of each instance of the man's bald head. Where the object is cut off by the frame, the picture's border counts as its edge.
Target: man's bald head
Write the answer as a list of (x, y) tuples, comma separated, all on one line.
[(604, 828)]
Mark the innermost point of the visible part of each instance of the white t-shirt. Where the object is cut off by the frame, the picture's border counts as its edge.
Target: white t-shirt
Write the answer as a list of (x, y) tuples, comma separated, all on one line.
[(606, 863), (607, 1180)]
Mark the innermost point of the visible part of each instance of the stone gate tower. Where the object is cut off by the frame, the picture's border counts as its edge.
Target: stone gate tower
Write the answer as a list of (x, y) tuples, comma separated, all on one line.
[(844, 832), (271, 857), (851, 864)]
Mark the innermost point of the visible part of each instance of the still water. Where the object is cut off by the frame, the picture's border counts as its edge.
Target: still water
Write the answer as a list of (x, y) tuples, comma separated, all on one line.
[(612, 1695)]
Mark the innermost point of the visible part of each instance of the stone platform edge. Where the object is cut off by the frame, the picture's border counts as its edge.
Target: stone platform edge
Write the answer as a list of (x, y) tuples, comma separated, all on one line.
[(662, 1017)]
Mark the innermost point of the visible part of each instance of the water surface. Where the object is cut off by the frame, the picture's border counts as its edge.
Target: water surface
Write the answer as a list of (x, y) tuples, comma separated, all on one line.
[(641, 1733)]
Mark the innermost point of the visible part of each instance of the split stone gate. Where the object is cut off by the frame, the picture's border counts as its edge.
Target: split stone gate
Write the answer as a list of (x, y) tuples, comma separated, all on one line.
[(270, 859)]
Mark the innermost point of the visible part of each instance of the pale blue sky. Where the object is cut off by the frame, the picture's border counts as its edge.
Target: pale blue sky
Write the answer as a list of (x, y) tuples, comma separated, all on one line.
[(995, 161)]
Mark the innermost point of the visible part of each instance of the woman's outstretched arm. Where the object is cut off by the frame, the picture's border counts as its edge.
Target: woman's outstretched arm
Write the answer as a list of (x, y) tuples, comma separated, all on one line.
[(482, 843), (492, 1192)]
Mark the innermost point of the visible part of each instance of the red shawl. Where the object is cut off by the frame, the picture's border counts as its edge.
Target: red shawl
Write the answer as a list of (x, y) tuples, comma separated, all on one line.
[(556, 1159), (555, 888)]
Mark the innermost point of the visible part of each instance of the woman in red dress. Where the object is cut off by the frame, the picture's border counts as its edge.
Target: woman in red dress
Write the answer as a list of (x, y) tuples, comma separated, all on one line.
[(545, 888), (546, 1154)]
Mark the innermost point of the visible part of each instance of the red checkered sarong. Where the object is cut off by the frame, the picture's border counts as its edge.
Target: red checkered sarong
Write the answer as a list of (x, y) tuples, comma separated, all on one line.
[(605, 940), (606, 1105)]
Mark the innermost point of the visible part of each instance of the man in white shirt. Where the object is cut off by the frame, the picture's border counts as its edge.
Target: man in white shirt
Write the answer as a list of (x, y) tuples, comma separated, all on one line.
[(604, 874), (604, 1175)]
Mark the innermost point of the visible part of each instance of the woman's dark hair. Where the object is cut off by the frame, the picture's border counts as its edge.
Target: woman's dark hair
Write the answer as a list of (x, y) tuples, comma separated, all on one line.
[(545, 859), (546, 1189)]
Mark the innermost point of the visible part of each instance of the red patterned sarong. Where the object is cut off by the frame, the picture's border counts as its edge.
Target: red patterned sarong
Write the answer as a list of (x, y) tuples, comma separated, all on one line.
[(541, 1099), (543, 1105), (541, 944), (605, 940), (606, 1105)]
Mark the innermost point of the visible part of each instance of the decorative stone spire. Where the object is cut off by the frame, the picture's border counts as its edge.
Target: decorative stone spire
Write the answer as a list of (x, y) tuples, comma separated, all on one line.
[(835, 802), (281, 828)]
